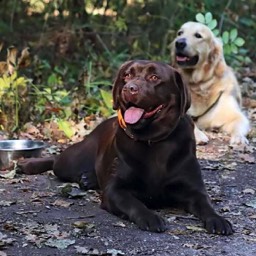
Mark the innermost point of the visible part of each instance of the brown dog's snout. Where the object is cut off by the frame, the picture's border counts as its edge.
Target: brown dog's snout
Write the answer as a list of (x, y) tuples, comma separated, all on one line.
[(180, 44), (131, 88), (130, 92)]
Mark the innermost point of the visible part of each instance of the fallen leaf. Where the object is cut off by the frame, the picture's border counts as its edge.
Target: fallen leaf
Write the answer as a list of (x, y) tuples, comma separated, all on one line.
[(195, 228), (230, 166), (4, 240), (114, 252), (28, 212), (195, 246), (71, 191), (253, 217), (7, 203), (83, 225), (225, 209), (251, 204), (119, 224), (87, 251), (31, 238), (251, 239), (62, 203), (59, 243), (247, 158), (212, 166), (8, 174), (52, 150), (249, 191)]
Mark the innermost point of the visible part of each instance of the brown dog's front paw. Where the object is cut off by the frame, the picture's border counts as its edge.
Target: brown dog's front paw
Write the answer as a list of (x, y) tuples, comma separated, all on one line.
[(151, 222), (218, 225)]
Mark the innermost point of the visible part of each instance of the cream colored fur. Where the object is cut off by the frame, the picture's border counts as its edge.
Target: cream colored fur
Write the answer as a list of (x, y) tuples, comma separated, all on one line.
[(207, 80)]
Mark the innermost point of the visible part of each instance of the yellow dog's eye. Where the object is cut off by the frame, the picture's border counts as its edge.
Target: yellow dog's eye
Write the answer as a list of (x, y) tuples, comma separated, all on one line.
[(180, 33), (197, 35), (153, 78)]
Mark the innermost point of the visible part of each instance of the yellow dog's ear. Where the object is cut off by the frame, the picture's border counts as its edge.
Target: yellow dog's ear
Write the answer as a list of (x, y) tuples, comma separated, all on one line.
[(173, 55), (185, 98), (216, 57), (118, 84), (172, 48)]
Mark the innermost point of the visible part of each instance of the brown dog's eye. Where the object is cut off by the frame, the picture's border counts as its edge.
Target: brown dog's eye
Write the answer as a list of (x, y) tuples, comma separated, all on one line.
[(153, 78), (179, 33), (197, 35), (128, 76)]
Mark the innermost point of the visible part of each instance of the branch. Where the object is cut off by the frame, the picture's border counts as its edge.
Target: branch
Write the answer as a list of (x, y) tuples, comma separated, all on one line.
[(223, 15)]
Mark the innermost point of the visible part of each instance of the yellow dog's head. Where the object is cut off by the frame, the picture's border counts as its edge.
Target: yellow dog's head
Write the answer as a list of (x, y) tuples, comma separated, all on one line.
[(196, 47)]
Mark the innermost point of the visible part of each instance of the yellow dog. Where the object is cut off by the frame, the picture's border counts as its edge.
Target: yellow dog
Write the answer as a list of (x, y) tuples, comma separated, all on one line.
[(215, 93)]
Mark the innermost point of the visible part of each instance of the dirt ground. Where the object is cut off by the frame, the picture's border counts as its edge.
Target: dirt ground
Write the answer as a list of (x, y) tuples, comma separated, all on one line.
[(40, 216)]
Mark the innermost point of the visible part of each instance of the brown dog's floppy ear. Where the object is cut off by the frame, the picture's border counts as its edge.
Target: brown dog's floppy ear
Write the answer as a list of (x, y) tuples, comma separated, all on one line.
[(118, 84), (185, 99)]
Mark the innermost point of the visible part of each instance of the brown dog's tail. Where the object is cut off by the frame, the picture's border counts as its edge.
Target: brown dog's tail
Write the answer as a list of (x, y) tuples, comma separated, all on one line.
[(36, 165)]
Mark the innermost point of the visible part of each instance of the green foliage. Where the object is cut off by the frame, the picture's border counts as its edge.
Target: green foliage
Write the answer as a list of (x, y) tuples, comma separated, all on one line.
[(65, 127), (13, 89), (208, 20), (231, 42), (77, 47)]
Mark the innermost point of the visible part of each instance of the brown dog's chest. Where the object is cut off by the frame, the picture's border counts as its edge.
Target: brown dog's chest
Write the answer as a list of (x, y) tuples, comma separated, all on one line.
[(149, 169)]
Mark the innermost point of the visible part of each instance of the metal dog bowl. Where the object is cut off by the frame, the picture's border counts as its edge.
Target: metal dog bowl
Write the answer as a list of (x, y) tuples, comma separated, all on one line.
[(15, 149)]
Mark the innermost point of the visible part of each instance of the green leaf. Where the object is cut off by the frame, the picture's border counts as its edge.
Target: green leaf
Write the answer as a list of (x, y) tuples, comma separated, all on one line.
[(13, 76), (65, 100), (200, 18), (239, 41), (233, 34), (20, 81), (121, 24), (66, 128), (216, 32), (48, 90), (247, 60), (247, 21), (208, 17), (3, 85), (212, 25), (233, 48), (227, 49), (52, 79), (107, 98), (225, 37)]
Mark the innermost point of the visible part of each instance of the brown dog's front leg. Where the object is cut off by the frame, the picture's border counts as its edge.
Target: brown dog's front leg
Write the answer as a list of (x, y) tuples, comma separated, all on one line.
[(213, 223), (36, 165), (120, 201)]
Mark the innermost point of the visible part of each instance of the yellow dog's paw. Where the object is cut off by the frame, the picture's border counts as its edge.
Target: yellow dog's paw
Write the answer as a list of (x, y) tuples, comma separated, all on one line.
[(201, 138), (238, 140)]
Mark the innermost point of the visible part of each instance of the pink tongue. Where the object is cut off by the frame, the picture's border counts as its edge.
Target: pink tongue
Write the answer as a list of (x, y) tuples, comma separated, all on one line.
[(132, 115), (179, 58)]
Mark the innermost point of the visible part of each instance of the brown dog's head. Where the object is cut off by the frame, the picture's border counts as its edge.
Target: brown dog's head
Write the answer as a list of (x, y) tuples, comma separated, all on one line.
[(196, 48), (150, 94)]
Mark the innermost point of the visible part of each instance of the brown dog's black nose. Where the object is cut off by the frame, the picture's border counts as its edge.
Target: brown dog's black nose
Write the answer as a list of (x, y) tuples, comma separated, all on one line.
[(180, 44), (131, 88)]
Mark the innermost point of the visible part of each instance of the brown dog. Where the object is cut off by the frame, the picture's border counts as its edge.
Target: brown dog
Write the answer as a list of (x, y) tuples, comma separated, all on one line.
[(216, 96), (146, 157)]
